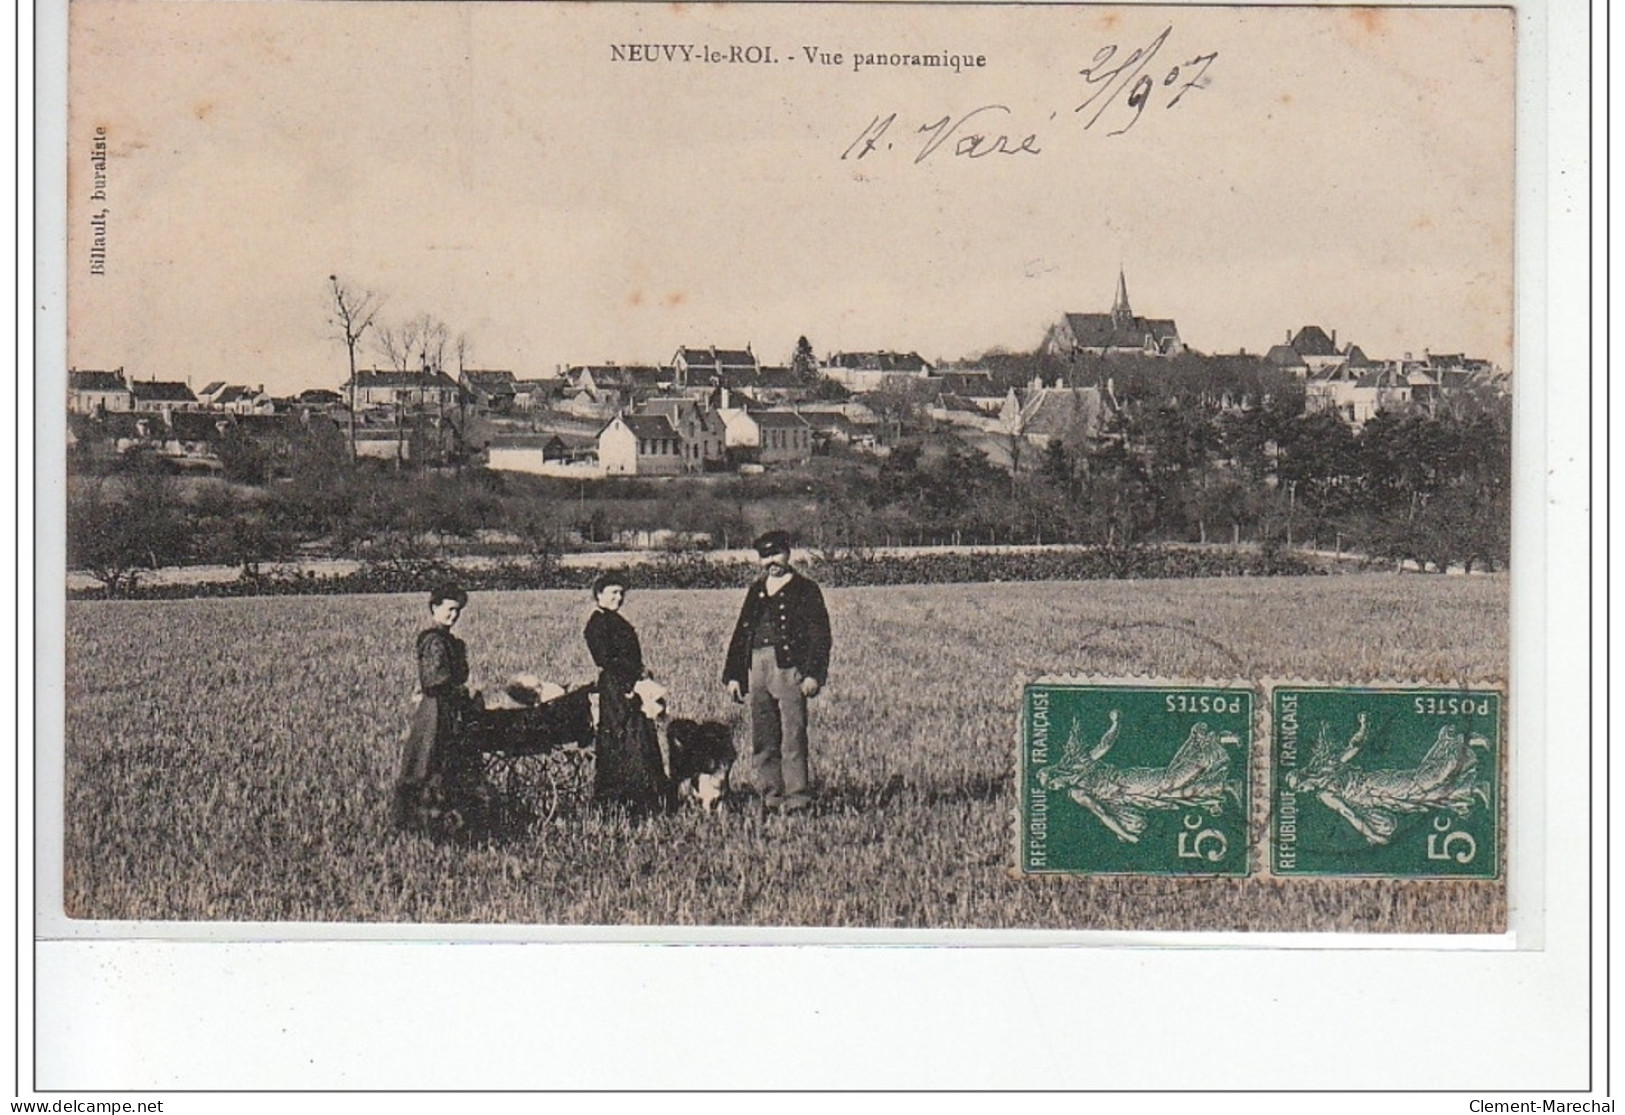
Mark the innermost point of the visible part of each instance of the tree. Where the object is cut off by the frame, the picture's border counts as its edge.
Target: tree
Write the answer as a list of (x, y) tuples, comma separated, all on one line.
[(320, 491), (1437, 490), (1178, 442), (1056, 468), (229, 530), (898, 406), (803, 364), (352, 315), (1216, 494), (242, 458), (418, 343), (1118, 502), (1319, 468), (114, 536)]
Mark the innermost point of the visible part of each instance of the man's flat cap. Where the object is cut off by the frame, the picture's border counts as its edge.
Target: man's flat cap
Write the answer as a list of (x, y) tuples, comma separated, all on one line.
[(773, 542)]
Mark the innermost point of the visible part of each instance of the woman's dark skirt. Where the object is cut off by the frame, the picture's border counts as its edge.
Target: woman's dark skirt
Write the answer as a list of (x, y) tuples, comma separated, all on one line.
[(628, 771)]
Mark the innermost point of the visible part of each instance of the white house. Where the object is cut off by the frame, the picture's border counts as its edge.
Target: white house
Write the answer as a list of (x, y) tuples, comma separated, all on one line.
[(620, 384), (974, 386), (640, 445), (1317, 350), (534, 394), (1357, 394), (413, 390), (234, 399), (872, 371), (98, 392), (158, 396), (1044, 414), (784, 436), (771, 436)]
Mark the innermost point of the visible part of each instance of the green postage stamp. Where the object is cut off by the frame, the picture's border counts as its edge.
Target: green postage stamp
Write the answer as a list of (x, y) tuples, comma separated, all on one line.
[(1376, 780), (1399, 782), (1135, 779)]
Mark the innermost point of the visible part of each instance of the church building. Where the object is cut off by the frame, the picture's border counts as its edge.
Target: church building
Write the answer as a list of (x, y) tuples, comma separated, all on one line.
[(1120, 332)]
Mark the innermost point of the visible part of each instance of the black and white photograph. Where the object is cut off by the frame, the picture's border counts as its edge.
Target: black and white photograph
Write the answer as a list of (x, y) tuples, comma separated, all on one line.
[(617, 465)]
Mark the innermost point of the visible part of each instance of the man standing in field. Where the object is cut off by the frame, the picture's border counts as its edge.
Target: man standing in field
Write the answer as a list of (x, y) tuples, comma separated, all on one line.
[(779, 657)]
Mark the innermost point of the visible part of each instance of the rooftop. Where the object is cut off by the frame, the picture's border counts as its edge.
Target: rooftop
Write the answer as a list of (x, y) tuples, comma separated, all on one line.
[(645, 426), (162, 391), (96, 381)]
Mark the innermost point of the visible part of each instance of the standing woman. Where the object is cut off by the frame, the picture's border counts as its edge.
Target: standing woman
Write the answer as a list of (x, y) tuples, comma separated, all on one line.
[(628, 770), (434, 776)]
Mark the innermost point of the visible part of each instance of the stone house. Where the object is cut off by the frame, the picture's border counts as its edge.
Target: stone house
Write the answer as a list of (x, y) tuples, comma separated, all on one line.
[(702, 430)]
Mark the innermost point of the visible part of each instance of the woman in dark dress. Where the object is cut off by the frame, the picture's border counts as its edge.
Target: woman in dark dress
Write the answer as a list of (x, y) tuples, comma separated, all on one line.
[(628, 769), (434, 775)]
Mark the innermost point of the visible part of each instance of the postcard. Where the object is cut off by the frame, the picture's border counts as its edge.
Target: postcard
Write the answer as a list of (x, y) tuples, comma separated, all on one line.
[(766, 467)]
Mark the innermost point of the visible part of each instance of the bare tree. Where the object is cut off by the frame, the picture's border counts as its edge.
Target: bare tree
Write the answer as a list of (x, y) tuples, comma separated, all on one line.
[(411, 345), (352, 315), (463, 348), (396, 344), (434, 339), (899, 405)]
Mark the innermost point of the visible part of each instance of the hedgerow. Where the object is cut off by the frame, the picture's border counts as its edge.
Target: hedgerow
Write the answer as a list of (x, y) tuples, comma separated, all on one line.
[(696, 571)]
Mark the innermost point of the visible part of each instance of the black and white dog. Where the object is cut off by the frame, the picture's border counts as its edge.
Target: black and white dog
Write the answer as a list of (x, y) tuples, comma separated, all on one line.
[(698, 755), (702, 756)]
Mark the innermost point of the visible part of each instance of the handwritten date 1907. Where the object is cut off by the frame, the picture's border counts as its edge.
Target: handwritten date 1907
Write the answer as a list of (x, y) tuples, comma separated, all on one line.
[(968, 142), (1109, 77), (1115, 86)]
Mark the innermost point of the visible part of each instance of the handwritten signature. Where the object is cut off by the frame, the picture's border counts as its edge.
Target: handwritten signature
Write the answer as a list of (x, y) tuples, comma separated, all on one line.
[(969, 144), (1116, 87)]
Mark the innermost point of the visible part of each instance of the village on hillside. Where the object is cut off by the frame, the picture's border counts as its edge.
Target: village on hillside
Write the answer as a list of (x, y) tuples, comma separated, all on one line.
[(712, 409)]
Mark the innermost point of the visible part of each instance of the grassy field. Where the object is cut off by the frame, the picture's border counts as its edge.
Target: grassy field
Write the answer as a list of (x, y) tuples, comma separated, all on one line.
[(231, 759)]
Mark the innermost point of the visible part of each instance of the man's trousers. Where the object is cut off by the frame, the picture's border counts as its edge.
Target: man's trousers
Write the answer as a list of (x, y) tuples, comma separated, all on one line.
[(778, 731)]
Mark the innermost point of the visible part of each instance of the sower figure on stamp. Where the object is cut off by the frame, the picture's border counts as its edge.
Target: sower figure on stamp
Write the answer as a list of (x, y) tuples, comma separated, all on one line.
[(779, 658)]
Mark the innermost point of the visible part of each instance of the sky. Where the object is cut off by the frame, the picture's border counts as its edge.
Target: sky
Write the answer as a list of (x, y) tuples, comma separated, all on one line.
[(509, 170)]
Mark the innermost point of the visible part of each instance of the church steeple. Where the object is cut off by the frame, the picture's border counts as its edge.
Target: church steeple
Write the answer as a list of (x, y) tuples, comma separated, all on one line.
[(1122, 315)]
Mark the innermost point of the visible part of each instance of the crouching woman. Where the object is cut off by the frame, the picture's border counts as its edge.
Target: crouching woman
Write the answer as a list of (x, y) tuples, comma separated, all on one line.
[(436, 776)]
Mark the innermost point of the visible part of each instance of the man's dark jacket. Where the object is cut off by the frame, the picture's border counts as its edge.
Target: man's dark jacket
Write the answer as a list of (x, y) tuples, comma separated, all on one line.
[(803, 620)]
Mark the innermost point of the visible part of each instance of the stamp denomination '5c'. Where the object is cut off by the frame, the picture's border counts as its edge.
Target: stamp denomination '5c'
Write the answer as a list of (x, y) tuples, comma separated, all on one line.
[(1134, 779)]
